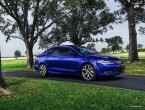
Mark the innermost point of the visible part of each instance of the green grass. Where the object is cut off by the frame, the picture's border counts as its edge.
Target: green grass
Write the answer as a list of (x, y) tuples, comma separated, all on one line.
[(29, 94), (14, 65), (135, 69), (125, 55), (126, 60)]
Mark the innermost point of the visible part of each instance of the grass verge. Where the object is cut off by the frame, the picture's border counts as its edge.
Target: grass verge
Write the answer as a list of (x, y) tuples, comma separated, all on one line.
[(29, 94), (125, 54), (14, 64)]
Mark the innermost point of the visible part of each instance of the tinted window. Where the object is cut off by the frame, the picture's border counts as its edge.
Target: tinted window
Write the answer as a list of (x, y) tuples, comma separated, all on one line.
[(85, 50), (65, 51), (55, 53), (52, 52)]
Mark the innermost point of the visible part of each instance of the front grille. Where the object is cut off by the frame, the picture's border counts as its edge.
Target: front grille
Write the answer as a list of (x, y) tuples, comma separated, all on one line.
[(118, 70)]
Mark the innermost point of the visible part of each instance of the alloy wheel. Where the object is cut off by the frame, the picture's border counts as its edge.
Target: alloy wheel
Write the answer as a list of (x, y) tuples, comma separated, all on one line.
[(88, 72), (43, 70)]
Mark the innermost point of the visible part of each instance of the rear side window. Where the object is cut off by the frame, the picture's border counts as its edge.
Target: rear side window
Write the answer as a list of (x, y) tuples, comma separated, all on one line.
[(52, 52), (65, 51), (59, 52)]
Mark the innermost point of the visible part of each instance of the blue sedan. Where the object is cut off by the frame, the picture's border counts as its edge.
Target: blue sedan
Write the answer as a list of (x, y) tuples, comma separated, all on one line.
[(77, 60)]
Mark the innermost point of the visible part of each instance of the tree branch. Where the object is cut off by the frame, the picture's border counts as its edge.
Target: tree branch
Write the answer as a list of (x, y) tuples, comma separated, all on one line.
[(45, 28), (35, 18), (7, 10)]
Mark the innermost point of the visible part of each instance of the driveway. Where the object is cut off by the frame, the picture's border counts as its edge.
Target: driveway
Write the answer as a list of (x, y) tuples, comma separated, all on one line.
[(122, 81)]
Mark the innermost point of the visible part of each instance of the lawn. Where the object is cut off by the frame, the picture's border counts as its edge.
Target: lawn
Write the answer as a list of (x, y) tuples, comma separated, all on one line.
[(125, 54), (30, 94), (14, 64)]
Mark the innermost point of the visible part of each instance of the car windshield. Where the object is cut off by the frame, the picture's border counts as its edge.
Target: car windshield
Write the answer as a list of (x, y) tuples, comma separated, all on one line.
[(85, 50)]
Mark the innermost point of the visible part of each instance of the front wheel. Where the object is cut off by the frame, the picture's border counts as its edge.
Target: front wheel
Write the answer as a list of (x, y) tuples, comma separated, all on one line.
[(88, 72), (43, 71)]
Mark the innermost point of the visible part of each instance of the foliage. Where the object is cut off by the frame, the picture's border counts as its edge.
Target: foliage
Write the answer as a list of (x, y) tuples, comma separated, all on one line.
[(91, 46), (106, 50), (139, 46), (17, 54), (114, 43), (127, 47), (33, 94), (78, 27), (103, 50), (28, 20)]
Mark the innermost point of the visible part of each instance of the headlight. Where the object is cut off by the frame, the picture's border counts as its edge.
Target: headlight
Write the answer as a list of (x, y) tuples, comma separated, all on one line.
[(105, 62)]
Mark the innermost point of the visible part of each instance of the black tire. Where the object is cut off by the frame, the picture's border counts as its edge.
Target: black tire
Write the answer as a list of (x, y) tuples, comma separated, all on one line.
[(43, 70), (88, 72)]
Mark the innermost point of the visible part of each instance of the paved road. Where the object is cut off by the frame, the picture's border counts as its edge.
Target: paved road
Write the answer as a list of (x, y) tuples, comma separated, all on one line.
[(122, 81)]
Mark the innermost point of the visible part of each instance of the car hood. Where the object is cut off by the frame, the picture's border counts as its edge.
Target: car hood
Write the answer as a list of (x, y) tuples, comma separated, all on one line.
[(103, 57)]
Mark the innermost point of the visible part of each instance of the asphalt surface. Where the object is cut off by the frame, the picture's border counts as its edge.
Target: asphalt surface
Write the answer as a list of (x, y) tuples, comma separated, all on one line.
[(121, 81)]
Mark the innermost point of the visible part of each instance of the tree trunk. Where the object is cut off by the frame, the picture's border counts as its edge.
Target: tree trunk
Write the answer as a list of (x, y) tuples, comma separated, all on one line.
[(2, 82), (30, 59), (133, 54)]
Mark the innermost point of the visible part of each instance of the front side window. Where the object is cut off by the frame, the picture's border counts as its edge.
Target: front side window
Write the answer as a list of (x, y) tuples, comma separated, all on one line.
[(85, 50)]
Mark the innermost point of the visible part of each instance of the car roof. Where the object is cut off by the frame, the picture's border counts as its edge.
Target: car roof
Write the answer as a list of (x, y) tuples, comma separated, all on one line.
[(72, 46)]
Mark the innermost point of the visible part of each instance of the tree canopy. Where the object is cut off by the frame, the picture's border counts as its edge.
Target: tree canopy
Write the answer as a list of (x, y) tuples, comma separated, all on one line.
[(17, 54), (92, 18), (28, 20)]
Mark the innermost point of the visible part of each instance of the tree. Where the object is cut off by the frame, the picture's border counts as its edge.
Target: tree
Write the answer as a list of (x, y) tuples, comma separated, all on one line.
[(27, 20), (3, 84), (81, 24), (120, 49), (133, 10), (127, 47), (17, 54), (91, 46), (108, 50), (139, 46), (114, 43), (103, 50)]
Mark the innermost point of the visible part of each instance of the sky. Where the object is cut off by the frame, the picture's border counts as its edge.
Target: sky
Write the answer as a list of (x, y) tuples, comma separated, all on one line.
[(8, 49)]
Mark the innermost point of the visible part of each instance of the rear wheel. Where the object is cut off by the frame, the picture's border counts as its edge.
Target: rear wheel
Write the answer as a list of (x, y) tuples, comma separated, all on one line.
[(88, 72), (43, 71)]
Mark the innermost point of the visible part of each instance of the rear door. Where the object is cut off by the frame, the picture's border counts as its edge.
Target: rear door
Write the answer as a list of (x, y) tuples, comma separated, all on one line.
[(52, 59)]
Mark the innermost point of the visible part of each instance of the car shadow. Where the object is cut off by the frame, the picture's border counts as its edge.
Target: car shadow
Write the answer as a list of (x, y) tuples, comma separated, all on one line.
[(79, 79), (110, 78)]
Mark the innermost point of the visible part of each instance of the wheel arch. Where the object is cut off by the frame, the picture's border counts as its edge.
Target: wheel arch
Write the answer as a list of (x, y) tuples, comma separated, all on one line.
[(85, 64), (42, 63)]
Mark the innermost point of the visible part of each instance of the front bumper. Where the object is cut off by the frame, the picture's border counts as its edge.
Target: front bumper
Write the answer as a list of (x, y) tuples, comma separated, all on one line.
[(109, 69)]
